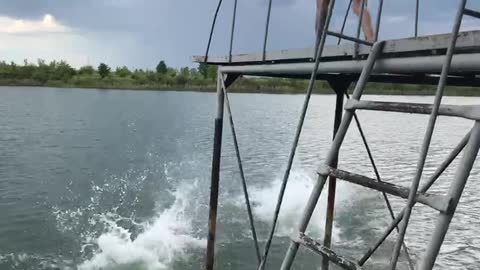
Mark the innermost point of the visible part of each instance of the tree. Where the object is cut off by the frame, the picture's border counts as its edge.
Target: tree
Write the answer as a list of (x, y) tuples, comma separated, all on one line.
[(86, 70), (41, 75), (185, 72), (212, 72), (162, 67), (13, 70), (41, 62), (151, 76), (203, 69), (26, 70), (123, 72), (42, 72), (61, 71), (139, 76), (103, 70), (208, 71), (194, 73), (181, 80), (171, 72)]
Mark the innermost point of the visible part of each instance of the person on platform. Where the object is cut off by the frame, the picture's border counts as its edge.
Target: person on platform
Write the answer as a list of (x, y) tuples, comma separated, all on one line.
[(357, 7)]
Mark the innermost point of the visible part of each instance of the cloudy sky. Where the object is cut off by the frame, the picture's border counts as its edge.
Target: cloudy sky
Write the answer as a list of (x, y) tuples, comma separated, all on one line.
[(138, 33)]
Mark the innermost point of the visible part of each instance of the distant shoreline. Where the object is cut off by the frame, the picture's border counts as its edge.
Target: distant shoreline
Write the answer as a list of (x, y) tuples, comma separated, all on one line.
[(378, 89), (200, 79)]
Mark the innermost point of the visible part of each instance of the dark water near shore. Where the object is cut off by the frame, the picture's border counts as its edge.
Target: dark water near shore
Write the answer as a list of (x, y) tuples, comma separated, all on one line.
[(119, 179)]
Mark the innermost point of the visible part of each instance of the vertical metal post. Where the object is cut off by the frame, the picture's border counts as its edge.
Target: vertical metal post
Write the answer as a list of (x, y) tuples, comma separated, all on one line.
[(234, 17), (428, 134), (340, 86), (359, 28), (332, 153), (454, 194), (416, 17), (215, 176), (267, 25), (379, 18)]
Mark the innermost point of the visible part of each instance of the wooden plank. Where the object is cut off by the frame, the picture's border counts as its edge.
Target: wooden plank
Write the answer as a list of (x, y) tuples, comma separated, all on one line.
[(427, 45)]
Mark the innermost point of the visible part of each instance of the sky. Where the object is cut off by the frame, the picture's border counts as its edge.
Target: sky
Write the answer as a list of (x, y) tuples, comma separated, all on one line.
[(140, 33)]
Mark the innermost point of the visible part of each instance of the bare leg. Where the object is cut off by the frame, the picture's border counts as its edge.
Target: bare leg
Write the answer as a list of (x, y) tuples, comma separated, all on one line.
[(317, 14), (366, 20), (320, 12)]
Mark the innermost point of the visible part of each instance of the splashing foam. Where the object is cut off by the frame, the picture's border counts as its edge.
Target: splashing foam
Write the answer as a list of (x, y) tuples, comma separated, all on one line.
[(298, 190), (169, 236)]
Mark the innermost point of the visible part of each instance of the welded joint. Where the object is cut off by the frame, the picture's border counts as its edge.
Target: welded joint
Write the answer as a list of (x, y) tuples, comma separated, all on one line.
[(228, 78), (340, 83), (450, 207), (471, 112), (350, 105), (324, 170), (440, 203)]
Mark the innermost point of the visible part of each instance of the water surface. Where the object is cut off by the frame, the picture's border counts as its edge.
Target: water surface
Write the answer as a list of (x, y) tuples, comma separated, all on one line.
[(104, 179)]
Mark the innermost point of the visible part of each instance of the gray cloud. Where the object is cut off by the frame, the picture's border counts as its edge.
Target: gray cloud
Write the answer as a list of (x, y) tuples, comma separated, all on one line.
[(140, 32)]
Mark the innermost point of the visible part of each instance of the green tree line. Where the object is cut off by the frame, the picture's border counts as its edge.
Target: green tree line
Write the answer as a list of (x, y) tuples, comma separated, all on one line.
[(58, 73), (163, 77)]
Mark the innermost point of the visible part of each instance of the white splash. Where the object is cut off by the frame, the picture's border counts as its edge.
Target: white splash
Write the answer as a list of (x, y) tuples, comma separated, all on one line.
[(169, 236), (298, 190)]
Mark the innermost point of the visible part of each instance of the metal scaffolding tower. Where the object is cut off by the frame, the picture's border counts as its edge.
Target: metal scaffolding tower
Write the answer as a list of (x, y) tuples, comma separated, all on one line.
[(452, 58)]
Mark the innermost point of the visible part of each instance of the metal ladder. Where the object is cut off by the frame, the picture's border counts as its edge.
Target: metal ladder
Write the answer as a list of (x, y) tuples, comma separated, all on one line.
[(445, 204), (322, 33)]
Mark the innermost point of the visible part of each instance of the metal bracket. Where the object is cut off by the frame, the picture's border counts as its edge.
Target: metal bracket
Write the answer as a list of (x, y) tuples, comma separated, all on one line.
[(340, 83), (229, 79)]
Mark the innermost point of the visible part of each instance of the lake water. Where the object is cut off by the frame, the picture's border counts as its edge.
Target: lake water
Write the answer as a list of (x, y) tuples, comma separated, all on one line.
[(120, 179)]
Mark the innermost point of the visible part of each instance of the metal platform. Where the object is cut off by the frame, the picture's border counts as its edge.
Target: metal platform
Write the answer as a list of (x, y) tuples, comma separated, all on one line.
[(412, 60)]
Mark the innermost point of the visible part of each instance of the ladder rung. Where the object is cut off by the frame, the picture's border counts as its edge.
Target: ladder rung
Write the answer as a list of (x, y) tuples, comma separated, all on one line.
[(342, 36), (471, 112), (323, 250), (437, 202), (472, 13)]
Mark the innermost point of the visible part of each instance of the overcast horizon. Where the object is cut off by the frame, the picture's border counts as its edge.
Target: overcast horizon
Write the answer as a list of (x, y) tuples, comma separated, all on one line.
[(140, 33)]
